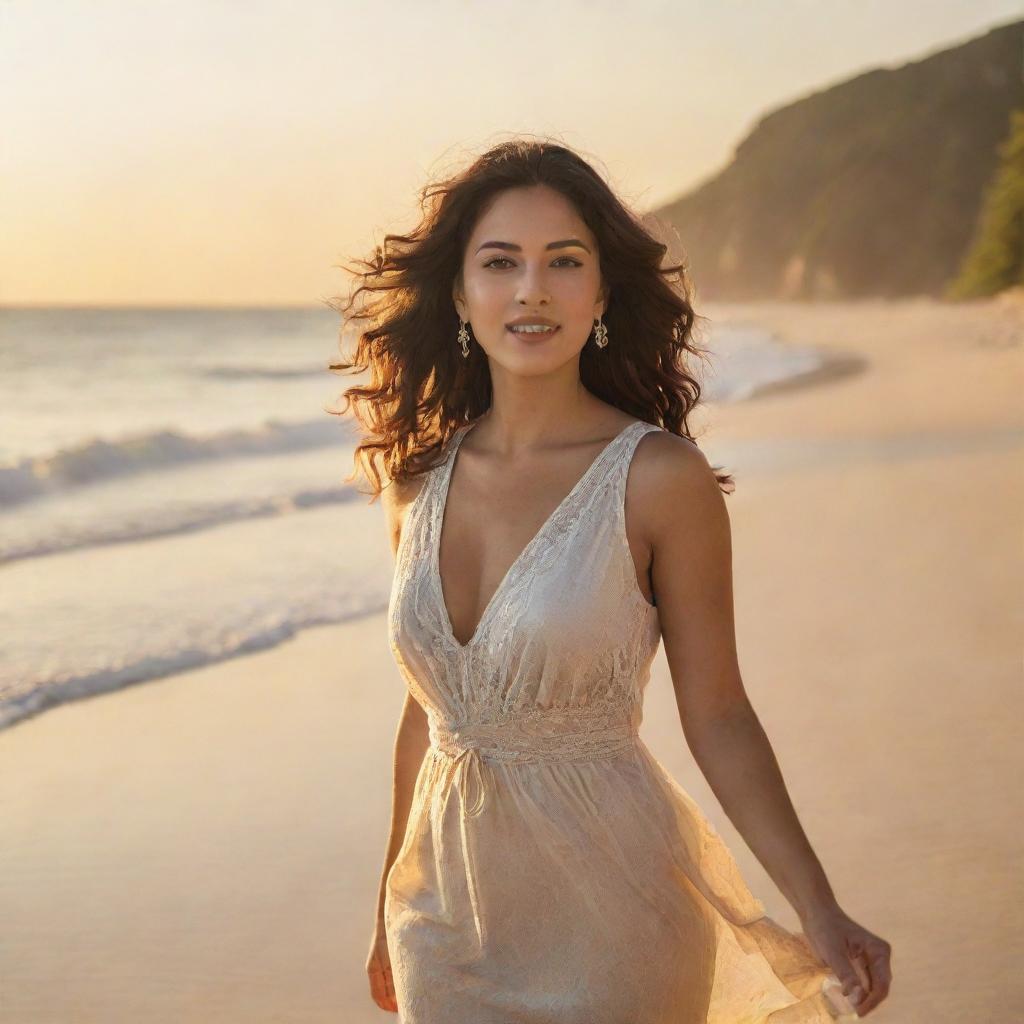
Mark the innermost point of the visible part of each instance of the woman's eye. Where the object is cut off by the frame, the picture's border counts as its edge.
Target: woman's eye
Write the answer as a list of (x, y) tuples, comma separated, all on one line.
[(502, 259)]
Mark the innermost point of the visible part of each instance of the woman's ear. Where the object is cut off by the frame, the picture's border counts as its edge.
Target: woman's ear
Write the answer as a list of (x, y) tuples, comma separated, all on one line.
[(457, 298)]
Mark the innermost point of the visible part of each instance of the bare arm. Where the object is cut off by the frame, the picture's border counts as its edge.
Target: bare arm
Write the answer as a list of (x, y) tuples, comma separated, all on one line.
[(690, 538), (411, 744), (412, 738)]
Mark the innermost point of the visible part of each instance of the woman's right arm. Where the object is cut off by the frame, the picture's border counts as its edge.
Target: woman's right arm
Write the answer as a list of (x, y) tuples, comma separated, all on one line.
[(410, 746), (411, 742), (413, 738)]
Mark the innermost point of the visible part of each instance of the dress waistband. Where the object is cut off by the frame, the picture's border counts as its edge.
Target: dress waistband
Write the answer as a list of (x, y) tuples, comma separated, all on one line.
[(543, 734)]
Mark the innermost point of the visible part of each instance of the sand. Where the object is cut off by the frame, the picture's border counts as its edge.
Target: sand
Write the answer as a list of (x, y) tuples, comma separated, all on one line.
[(207, 847)]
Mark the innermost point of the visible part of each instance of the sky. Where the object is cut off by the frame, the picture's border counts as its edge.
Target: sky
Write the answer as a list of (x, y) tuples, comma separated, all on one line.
[(215, 153)]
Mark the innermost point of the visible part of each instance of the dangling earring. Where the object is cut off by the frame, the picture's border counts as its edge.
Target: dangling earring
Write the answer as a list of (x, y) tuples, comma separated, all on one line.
[(463, 337), (600, 333)]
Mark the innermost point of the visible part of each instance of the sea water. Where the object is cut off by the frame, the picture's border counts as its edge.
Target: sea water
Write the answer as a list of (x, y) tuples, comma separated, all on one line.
[(173, 488)]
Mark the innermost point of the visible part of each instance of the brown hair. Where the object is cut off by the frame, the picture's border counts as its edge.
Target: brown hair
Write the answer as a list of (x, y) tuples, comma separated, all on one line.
[(421, 388)]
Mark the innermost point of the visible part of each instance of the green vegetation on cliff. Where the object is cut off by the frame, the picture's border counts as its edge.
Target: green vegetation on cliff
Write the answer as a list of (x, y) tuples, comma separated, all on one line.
[(995, 259)]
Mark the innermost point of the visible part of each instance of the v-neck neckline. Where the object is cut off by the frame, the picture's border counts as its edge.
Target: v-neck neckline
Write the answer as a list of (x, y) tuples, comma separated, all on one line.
[(440, 507)]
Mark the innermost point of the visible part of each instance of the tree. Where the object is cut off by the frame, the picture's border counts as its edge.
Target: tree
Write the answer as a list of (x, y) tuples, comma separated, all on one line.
[(995, 257)]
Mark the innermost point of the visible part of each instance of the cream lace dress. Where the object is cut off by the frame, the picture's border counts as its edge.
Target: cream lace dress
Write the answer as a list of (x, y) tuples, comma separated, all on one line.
[(552, 872)]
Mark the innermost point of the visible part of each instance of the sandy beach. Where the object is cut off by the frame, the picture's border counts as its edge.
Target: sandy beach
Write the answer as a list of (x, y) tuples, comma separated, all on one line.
[(207, 847)]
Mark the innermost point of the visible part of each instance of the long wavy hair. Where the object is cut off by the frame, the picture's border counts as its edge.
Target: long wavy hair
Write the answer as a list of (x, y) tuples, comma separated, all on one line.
[(421, 389)]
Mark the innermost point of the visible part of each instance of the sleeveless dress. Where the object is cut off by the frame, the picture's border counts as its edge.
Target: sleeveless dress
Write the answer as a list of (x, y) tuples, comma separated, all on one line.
[(552, 871)]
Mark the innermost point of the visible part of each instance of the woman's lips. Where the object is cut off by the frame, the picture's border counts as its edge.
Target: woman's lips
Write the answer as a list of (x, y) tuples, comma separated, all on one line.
[(533, 335)]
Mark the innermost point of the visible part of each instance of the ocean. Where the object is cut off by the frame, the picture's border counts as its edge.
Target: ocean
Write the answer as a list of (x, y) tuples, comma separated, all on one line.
[(173, 488)]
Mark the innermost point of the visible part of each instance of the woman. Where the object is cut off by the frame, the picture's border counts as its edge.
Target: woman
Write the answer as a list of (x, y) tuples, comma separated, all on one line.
[(552, 523)]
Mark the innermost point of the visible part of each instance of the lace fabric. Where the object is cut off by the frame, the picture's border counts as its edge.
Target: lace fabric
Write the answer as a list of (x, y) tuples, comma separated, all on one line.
[(551, 869)]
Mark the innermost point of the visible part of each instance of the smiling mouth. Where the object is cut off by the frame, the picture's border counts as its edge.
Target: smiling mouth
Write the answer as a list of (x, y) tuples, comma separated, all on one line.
[(534, 333)]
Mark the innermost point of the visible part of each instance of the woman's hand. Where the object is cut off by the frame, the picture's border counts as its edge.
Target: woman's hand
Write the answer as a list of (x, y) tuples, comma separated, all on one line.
[(378, 967), (857, 957)]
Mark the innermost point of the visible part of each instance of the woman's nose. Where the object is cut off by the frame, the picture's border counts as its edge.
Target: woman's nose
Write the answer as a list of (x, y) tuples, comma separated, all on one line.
[(532, 290)]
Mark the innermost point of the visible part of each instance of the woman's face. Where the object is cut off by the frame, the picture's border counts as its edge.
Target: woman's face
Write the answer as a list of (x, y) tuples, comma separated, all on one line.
[(530, 256)]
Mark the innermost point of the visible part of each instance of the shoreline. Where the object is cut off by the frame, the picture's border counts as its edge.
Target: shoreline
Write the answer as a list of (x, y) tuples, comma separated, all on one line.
[(33, 702), (832, 366)]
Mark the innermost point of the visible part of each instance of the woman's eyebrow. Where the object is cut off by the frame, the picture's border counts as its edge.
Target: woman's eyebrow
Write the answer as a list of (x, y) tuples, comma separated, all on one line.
[(512, 247)]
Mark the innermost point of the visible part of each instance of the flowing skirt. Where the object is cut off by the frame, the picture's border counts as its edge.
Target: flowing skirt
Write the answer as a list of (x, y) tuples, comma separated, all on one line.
[(591, 892)]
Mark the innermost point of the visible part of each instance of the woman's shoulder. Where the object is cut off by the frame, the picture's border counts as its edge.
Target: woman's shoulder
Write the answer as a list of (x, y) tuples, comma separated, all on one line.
[(670, 476), (397, 497), (663, 452), (401, 492)]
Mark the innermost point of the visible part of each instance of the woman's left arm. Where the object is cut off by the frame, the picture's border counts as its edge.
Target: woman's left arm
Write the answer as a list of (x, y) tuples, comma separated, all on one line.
[(687, 527)]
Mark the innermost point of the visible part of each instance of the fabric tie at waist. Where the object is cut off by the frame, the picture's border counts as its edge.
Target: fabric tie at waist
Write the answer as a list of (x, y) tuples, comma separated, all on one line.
[(544, 734)]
